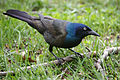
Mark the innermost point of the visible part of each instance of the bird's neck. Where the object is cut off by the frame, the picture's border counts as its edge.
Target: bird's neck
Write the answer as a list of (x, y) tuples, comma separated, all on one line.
[(71, 39)]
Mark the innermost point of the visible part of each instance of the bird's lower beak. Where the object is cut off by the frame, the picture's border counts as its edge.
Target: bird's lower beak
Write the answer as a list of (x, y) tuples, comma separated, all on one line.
[(93, 33)]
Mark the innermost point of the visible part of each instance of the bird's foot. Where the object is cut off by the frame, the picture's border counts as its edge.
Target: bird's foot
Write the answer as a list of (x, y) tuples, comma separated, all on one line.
[(60, 60), (77, 54)]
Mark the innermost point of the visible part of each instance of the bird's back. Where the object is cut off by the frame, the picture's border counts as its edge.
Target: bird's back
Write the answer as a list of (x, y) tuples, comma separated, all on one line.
[(53, 30), (55, 33)]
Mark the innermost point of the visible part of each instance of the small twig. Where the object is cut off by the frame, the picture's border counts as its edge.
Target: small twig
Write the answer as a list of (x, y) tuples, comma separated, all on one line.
[(66, 59), (106, 53), (90, 52), (70, 58), (104, 56), (5, 73)]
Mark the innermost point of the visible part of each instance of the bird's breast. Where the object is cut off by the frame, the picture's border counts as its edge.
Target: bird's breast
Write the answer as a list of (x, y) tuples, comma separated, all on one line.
[(71, 41)]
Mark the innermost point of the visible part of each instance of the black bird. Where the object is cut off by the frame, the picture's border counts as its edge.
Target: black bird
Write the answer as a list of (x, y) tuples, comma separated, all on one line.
[(58, 33)]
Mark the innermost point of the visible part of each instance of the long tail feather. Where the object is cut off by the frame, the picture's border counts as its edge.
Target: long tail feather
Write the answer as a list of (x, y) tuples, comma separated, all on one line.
[(19, 15)]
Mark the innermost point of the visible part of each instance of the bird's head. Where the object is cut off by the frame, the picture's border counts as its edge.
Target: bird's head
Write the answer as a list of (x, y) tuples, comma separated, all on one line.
[(81, 30)]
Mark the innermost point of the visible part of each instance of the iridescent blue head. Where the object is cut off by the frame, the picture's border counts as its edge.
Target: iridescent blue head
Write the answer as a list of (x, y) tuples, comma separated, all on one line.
[(75, 33), (79, 30)]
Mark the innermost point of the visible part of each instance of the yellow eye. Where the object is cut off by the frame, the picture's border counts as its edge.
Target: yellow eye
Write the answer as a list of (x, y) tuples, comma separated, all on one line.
[(84, 28)]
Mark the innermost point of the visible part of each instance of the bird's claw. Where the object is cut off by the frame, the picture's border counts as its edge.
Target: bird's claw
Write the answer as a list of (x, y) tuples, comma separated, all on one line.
[(60, 60), (76, 53), (79, 55)]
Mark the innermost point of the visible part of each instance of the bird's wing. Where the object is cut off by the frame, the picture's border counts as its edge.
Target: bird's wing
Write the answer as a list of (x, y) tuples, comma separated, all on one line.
[(55, 30), (52, 29)]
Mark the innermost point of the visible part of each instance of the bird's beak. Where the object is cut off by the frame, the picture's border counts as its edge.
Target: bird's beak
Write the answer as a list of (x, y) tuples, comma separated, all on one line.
[(93, 33)]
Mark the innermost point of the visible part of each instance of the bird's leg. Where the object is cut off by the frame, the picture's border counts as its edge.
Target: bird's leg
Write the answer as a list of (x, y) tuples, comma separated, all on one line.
[(50, 49), (76, 53)]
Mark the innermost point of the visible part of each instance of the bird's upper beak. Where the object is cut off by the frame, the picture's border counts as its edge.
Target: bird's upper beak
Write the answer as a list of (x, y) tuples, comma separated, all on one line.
[(93, 33)]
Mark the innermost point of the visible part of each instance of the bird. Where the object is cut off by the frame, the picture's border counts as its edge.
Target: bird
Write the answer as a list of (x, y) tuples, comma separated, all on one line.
[(57, 33)]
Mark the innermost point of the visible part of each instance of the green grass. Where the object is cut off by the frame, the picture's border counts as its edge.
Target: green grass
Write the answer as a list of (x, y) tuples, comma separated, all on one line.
[(103, 16)]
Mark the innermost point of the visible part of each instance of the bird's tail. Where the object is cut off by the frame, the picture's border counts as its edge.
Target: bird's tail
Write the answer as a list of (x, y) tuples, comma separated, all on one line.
[(19, 15), (36, 23)]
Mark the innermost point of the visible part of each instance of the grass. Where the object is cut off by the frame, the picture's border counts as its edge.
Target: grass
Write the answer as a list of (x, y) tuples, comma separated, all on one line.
[(102, 16)]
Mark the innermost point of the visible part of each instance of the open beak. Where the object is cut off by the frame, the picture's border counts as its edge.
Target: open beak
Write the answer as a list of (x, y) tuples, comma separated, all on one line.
[(93, 33)]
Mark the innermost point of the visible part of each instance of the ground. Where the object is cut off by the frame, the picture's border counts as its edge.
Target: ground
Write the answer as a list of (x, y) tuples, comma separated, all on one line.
[(16, 38)]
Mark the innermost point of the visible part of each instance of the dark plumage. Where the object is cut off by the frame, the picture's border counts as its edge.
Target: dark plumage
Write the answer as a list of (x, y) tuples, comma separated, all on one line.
[(58, 33)]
